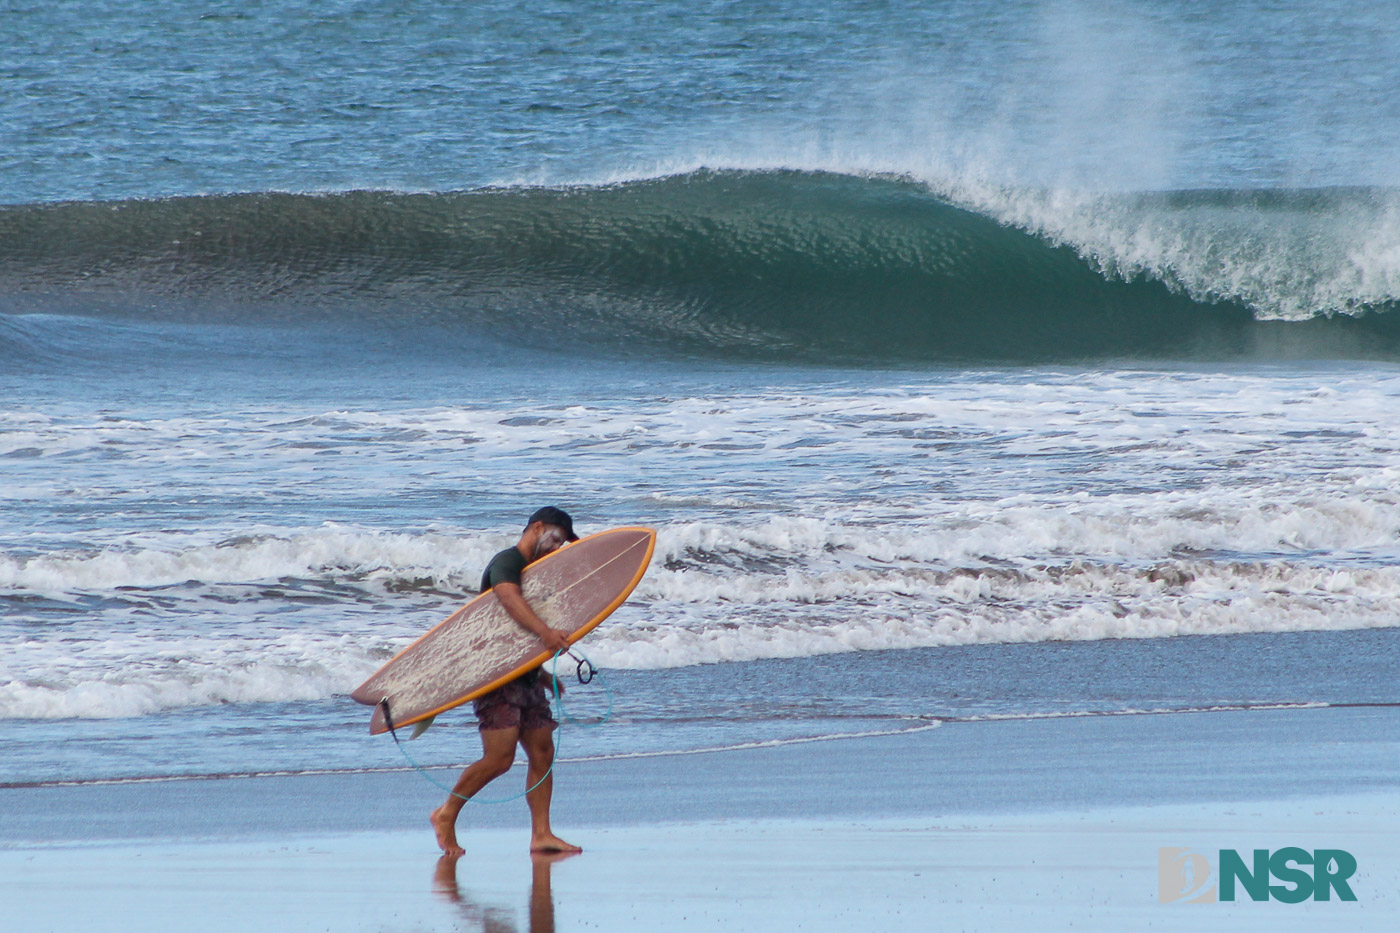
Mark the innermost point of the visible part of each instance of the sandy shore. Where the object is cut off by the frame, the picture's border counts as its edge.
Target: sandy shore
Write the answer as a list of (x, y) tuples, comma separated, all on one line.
[(988, 825)]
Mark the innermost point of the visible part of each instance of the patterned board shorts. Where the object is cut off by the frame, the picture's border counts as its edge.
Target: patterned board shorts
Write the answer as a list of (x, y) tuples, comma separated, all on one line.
[(521, 704)]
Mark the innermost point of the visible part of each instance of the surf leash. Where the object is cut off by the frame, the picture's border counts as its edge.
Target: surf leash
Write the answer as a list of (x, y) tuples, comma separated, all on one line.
[(586, 672)]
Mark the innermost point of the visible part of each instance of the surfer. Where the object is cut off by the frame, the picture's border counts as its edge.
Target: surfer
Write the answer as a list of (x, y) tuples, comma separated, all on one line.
[(517, 713)]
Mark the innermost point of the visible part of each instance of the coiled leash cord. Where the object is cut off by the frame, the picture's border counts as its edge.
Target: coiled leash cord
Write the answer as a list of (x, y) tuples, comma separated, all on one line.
[(586, 671)]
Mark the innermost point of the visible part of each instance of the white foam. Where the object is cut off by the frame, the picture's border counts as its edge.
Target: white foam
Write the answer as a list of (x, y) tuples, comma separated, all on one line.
[(330, 553), (864, 623), (961, 509), (1315, 258), (828, 598), (800, 559), (1285, 264), (141, 674)]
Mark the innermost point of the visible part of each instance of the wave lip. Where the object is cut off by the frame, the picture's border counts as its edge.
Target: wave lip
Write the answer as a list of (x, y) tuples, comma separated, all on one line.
[(765, 263)]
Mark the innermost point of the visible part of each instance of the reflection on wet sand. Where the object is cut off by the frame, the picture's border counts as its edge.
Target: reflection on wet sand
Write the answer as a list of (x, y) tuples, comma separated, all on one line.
[(496, 919)]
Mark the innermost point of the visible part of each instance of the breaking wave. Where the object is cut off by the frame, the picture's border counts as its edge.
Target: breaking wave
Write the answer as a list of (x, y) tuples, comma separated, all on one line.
[(717, 592), (766, 263)]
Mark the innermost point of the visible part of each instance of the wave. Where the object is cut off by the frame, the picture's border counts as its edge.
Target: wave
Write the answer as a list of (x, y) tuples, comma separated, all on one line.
[(194, 624), (766, 263), (972, 551)]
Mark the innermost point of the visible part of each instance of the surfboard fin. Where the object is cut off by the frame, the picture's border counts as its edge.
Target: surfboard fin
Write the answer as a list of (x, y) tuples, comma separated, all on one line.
[(421, 726)]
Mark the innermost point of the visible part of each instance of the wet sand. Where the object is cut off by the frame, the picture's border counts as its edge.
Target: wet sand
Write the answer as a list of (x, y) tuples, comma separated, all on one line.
[(984, 825)]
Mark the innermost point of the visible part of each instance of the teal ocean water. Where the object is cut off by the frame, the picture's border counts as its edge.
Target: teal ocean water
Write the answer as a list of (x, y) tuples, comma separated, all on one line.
[(971, 359)]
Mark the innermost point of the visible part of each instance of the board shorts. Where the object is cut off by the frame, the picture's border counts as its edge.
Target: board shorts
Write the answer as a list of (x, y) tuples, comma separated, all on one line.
[(521, 704)]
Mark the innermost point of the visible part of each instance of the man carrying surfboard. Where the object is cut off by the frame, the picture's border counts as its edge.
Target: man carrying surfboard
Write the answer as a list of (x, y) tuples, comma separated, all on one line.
[(517, 713)]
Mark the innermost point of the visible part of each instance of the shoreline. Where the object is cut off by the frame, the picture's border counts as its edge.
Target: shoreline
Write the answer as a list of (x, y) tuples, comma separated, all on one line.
[(986, 766), (988, 825), (920, 724)]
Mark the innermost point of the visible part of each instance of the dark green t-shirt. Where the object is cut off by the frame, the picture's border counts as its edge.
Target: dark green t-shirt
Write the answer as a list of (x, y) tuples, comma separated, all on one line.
[(505, 567)]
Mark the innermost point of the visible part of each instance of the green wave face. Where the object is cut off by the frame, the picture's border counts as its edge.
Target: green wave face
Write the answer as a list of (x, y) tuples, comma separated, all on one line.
[(747, 264)]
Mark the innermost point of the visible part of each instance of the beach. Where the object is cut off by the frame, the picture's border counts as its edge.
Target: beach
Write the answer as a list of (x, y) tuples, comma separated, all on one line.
[(978, 825)]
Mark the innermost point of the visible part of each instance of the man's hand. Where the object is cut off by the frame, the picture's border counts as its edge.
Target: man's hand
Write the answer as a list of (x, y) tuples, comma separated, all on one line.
[(555, 640)]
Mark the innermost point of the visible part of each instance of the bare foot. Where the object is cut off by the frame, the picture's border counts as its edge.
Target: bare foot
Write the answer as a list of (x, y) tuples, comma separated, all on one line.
[(552, 843), (446, 828)]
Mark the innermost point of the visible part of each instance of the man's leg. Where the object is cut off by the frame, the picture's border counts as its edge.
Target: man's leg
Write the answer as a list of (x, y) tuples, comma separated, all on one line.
[(497, 755), (539, 749)]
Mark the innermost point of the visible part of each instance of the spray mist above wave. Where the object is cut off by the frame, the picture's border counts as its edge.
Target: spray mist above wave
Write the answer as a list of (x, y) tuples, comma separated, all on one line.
[(757, 262)]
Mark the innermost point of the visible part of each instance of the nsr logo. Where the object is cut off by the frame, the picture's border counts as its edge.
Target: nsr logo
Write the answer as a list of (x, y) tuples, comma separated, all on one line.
[(1183, 874)]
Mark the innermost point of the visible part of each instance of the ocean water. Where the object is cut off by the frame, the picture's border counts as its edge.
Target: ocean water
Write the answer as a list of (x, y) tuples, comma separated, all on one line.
[(971, 359)]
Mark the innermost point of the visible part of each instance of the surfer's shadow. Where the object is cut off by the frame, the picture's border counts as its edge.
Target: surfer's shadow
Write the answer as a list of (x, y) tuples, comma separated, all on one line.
[(500, 919)]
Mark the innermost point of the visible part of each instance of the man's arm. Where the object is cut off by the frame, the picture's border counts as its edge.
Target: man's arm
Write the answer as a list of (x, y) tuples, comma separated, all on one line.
[(509, 596)]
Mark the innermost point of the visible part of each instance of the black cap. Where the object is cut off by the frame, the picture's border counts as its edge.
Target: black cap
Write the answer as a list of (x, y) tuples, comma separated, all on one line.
[(552, 516)]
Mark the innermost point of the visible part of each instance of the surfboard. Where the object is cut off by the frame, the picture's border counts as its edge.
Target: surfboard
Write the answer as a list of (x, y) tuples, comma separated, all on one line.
[(480, 647)]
